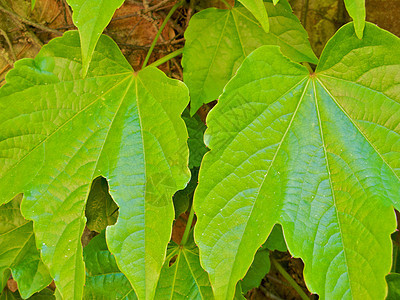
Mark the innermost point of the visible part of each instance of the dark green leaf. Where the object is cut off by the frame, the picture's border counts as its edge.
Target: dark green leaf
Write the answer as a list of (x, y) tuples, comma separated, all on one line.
[(393, 282), (196, 129), (18, 251), (276, 240), (257, 271), (101, 210), (104, 280)]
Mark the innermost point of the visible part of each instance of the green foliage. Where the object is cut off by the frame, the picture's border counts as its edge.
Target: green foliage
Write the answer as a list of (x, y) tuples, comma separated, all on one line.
[(101, 210), (91, 17), (300, 161), (19, 253), (257, 8), (356, 10), (393, 281), (105, 125), (104, 279), (313, 153), (182, 277), (217, 41)]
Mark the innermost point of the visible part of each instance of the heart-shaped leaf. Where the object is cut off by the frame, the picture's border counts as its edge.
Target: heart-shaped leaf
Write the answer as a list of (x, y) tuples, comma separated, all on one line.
[(18, 251), (182, 276), (318, 153), (217, 41), (104, 279), (58, 132), (91, 17)]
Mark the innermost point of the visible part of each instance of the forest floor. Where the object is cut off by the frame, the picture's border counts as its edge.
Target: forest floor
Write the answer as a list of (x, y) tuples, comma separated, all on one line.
[(23, 32)]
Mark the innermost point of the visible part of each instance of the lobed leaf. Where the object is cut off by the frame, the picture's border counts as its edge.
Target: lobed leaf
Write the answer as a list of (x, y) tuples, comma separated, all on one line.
[(58, 132), (182, 276), (91, 17), (318, 153), (218, 40), (19, 253)]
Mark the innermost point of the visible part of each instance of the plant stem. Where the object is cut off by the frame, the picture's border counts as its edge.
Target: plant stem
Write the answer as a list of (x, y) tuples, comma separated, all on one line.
[(188, 226), (166, 58), (23, 20), (289, 278), (173, 9)]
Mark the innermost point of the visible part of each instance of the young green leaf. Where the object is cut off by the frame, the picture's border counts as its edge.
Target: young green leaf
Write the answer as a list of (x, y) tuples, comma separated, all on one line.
[(319, 154), (104, 279), (276, 240), (356, 10), (101, 210), (18, 251), (183, 198), (218, 40), (33, 2), (91, 17), (257, 8), (58, 132), (182, 276)]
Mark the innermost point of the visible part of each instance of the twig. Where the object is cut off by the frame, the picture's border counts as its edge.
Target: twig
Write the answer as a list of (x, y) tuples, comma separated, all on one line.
[(28, 22), (3, 33), (289, 279), (304, 13)]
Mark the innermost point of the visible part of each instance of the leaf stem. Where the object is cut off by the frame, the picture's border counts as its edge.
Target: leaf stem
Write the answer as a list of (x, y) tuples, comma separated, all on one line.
[(173, 9), (289, 278), (166, 58), (188, 226)]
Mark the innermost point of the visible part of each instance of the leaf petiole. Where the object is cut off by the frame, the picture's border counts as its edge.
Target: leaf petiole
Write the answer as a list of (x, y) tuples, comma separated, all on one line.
[(188, 227), (153, 44), (166, 58)]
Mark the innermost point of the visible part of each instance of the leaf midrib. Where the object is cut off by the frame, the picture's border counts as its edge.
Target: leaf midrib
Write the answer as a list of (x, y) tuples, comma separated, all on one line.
[(269, 168), (356, 126), (328, 169), (64, 124)]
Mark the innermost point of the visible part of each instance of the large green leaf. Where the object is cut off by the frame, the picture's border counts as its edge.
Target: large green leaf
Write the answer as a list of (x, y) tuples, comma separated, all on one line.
[(101, 210), (91, 17), (58, 132), (356, 10), (319, 154), (104, 279), (257, 8), (182, 276), (18, 251), (218, 40)]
